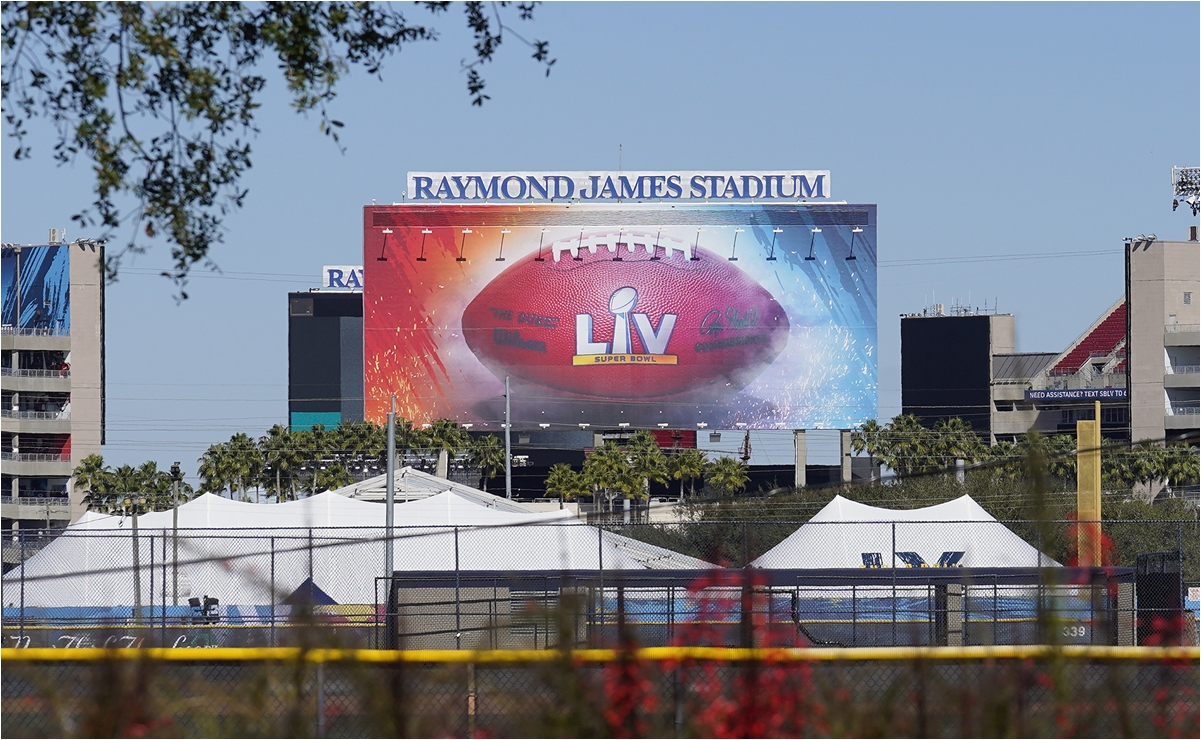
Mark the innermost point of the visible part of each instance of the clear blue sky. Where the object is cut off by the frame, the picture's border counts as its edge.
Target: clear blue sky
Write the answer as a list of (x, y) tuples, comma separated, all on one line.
[(981, 130)]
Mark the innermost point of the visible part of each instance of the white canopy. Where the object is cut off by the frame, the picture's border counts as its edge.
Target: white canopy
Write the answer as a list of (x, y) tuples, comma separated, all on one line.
[(242, 553), (845, 533)]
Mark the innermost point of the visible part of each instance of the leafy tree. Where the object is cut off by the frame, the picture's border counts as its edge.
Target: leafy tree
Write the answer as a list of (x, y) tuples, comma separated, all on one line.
[(869, 438), (566, 483), (727, 474), (92, 474), (332, 476), (127, 489), (488, 456), (215, 470), (954, 439), (608, 469), (687, 463), (245, 461), (445, 435), (162, 97), (906, 445), (361, 445), (647, 462), (282, 459), (1181, 465)]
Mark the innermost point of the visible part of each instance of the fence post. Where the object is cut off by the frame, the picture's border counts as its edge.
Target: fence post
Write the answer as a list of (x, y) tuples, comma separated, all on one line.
[(163, 631), (150, 622), (273, 591), (458, 610), (600, 567), (21, 537), (321, 698), (894, 584), (1180, 578), (471, 700)]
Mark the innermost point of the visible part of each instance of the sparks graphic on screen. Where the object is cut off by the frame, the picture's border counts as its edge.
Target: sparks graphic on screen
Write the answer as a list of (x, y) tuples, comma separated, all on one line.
[(761, 315)]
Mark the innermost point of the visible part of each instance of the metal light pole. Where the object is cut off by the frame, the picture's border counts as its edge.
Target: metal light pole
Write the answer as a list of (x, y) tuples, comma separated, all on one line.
[(175, 534), (390, 490), (508, 446)]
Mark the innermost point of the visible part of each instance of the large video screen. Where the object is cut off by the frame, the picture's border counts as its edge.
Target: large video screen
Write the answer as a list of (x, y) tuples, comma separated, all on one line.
[(761, 315), (36, 288)]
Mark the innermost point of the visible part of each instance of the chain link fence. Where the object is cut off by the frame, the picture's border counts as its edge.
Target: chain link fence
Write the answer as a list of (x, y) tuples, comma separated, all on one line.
[(839, 584), (1087, 693)]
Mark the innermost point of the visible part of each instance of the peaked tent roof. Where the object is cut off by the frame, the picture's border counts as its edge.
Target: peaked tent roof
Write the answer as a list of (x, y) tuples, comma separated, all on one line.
[(242, 553), (327, 509), (843, 531), (412, 484)]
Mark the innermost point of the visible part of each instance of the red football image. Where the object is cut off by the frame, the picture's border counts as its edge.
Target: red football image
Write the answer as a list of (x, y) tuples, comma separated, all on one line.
[(625, 315)]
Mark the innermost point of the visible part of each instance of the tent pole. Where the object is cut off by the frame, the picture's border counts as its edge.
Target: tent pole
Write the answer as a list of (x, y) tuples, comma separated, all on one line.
[(508, 446), (894, 584), (390, 489)]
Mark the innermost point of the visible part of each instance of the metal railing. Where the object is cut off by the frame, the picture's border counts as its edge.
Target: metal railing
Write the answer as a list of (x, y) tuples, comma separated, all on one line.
[(39, 331), (63, 415), (36, 500), (1184, 369), (35, 457), (1185, 410), (1173, 328), (34, 373)]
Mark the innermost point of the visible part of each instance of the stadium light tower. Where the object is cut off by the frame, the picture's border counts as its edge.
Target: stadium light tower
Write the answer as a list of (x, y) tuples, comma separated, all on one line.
[(1186, 186)]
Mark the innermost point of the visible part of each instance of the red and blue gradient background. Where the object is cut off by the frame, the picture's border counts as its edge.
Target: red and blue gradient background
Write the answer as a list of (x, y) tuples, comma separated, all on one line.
[(413, 309)]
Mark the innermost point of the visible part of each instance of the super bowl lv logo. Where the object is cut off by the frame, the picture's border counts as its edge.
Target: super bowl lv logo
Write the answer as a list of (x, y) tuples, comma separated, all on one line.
[(653, 340)]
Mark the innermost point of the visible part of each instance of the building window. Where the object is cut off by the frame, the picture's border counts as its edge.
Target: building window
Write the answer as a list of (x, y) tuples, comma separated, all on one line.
[(1188, 298)]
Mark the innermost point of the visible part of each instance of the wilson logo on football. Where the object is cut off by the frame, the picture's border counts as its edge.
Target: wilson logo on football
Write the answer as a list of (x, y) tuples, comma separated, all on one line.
[(654, 340)]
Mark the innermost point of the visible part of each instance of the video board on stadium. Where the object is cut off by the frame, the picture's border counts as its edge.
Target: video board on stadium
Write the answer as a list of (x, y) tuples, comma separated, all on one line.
[(603, 314), (37, 288)]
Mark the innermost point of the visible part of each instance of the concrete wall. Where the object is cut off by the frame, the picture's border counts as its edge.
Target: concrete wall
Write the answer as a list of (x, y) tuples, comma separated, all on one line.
[(1159, 274), (86, 358)]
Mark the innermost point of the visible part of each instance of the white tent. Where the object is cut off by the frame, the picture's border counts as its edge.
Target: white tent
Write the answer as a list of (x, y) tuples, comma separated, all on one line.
[(846, 534), (247, 553)]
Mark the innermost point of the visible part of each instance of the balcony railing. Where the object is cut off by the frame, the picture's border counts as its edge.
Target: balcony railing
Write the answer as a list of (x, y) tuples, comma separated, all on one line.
[(1173, 328), (1185, 410), (43, 415), (37, 331), (35, 457), (36, 500), (27, 373), (1184, 369)]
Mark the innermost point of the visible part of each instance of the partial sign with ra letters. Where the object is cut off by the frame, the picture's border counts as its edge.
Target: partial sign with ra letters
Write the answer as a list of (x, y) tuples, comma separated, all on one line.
[(342, 277)]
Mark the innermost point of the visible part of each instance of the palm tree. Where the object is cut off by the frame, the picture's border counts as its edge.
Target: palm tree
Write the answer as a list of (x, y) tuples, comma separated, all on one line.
[(313, 446), (905, 445), (360, 445), (565, 483), (281, 457), (446, 435), (92, 475), (954, 439), (245, 461), (488, 456), (1181, 466), (687, 463), (214, 470), (728, 474), (331, 476), (608, 469), (869, 438), (647, 462)]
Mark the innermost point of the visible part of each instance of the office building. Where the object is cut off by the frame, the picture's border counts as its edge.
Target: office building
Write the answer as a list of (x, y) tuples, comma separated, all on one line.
[(52, 378)]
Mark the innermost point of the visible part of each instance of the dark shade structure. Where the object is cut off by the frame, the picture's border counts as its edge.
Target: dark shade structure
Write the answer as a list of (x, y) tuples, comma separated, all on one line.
[(325, 358), (946, 368)]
